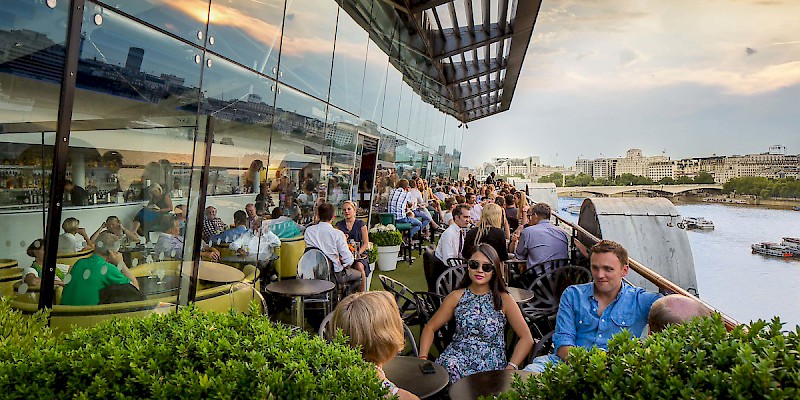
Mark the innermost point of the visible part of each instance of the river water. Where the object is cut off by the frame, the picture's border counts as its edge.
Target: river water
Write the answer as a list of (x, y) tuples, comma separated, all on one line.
[(743, 285)]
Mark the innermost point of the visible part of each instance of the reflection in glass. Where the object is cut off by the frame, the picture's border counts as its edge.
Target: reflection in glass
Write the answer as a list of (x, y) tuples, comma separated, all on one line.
[(374, 84), (248, 32), (307, 49), (185, 19), (348, 64)]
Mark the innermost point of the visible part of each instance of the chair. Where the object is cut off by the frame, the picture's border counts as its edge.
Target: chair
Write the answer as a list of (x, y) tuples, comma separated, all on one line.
[(405, 298), (543, 345), (527, 278), (432, 267), (326, 332), (314, 264), (449, 279), (547, 290), (428, 303), (455, 262)]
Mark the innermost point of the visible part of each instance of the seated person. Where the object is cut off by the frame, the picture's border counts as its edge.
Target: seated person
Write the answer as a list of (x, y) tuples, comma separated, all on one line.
[(674, 309), (332, 242), (542, 241), (32, 275), (85, 280), (283, 227), (147, 220), (74, 238), (261, 243), (180, 213), (489, 231), (355, 230), (231, 234), (171, 245), (114, 226), (372, 322), (253, 219), (212, 225), (591, 313)]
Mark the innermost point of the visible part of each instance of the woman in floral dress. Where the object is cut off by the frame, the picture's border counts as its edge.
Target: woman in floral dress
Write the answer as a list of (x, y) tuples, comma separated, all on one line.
[(481, 305)]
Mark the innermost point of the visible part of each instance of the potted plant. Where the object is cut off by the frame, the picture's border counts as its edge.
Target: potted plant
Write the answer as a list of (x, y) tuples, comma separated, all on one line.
[(388, 239)]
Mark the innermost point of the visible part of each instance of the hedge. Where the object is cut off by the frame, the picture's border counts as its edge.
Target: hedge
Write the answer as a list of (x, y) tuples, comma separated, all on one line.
[(187, 354), (698, 360)]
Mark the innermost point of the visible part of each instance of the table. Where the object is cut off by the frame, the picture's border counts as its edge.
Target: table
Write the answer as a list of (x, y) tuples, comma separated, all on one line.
[(150, 287), (405, 372), (299, 288), (520, 295), (214, 272), (487, 383), (507, 266), (237, 259)]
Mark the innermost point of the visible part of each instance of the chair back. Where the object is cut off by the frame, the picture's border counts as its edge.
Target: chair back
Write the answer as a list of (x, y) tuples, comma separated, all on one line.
[(527, 278), (455, 262), (449, 279), (429, 261), (325, 329), (547, 290), (386, 218), (314, 264), (428, 303), (405, 298)]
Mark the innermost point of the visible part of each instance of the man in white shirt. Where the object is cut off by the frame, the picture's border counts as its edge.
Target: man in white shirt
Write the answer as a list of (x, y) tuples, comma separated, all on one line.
[(333, 243), (452, 240), (74, 238), (475, 210), (262, 243)]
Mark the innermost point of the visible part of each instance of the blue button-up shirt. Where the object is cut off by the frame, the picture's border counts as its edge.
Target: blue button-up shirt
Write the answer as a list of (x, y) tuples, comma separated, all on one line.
[(542, 242), (578, 324)]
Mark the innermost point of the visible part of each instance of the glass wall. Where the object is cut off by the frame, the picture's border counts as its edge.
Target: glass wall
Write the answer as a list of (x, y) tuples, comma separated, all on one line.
[(181, 124)]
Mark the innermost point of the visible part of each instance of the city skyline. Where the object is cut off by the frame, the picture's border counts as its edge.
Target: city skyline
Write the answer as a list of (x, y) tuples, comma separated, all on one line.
[(688, 79)]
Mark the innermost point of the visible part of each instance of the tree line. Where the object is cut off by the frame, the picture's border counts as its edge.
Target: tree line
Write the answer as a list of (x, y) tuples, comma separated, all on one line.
[(763, 187), (584, 179)]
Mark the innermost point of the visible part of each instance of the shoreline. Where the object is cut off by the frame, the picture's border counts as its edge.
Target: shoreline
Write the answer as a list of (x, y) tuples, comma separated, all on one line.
[(773, 204)]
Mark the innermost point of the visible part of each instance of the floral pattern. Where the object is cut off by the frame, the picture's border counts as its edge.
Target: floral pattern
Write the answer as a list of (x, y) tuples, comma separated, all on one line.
[(479, 343)]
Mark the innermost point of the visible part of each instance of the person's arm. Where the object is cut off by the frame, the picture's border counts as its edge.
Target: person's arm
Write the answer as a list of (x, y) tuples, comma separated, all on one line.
[(89, 242), (132, 236), (566, 332), (443, 315), (168, 203), (98, 231), (344, 252), (116, 259), (403, 394), (521, 249), (506, 229), (31, 279), (364, 239), (517, 321)]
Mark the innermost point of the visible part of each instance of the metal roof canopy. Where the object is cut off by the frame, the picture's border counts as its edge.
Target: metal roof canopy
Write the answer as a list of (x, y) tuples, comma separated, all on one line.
[(466, 63)]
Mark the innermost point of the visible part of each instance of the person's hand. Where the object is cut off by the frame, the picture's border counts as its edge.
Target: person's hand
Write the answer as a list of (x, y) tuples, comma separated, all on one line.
[(103, 225), (510, 368), (213, 255), (82, 231), (115, 257), (240, 251)]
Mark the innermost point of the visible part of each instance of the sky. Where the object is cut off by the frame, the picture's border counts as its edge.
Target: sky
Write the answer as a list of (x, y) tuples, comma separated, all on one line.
[(682, 78)]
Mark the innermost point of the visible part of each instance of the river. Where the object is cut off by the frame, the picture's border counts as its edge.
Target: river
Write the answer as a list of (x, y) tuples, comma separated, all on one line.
[(745, 286)]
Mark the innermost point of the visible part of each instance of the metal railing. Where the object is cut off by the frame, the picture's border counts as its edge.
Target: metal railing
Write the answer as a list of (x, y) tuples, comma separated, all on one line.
[(652, 276)]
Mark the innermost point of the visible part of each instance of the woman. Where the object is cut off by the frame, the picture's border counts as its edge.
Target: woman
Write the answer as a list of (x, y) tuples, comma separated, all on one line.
[(159, 198), (356, 230), (32, 276), (522, 207), (481, 305), (74, 238), (449, 205), (372, 322), (490, 231)]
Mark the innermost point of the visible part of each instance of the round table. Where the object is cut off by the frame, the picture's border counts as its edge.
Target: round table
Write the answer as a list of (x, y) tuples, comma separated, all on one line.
[(214, 272), (487, 383), (520, 295), (237, 259), (152, 287), (405, 372), (299, 288)]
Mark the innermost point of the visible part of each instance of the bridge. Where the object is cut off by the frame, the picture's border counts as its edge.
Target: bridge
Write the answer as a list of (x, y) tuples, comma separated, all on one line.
[(659, 189)]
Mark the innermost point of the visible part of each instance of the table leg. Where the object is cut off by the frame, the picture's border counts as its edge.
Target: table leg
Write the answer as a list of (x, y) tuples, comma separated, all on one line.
[(299, 317)]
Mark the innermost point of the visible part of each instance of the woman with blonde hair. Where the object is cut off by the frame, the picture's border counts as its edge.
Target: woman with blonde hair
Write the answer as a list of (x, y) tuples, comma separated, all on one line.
[(356, 230), (489, 231), (372, 322)]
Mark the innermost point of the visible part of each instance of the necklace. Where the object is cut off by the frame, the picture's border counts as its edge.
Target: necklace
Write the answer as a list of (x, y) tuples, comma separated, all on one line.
[(380, 370)]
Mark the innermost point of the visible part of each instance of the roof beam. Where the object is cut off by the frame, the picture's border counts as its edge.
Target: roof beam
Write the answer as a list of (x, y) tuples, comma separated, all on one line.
[(475, 90), (463, 39), (480, 102), (422, 5), (456, 73)]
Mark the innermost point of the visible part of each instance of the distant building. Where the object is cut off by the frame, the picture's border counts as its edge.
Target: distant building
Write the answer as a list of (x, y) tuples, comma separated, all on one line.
[(583, 166)]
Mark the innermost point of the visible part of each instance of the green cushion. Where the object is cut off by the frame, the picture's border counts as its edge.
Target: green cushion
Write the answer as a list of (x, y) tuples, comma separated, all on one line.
[(386, 218), (402, 226)]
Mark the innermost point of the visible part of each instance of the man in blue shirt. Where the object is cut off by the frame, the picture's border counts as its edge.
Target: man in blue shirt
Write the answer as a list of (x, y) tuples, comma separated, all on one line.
[(542, 241), (231, 234), (589, 314)]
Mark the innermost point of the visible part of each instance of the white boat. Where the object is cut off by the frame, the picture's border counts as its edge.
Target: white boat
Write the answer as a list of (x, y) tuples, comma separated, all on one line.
[(793, 244), (574, 209), (771, 249), (696, 223)]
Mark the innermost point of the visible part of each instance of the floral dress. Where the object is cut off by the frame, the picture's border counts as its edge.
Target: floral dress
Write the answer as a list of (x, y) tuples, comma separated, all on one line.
[(479, 343)]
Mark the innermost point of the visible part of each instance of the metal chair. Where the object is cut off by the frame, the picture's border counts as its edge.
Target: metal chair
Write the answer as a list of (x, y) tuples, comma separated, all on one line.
[(428, 303), (449, 279), (314, 264), (432, 267), (453, 262), (547, 290), (527, 278), (405, 298)]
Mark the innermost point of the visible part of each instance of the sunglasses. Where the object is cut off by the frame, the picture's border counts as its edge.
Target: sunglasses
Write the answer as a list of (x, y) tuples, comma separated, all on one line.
[(474, 265)]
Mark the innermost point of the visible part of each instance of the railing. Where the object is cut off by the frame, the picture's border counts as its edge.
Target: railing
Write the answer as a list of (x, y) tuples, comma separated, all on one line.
[(652, 276)]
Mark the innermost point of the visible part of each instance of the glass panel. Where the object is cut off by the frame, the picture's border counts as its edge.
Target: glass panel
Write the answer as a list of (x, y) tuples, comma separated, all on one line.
[(32, 49), (296, 152), (307, 50), (386, 175), (133, 143), (348, 64), (248, 32), (407, 96), (186, 18), (391, 102), (375, 74)]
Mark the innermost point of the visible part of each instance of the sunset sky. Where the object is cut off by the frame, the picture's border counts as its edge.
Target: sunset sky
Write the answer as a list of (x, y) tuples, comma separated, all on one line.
[(683, 77)]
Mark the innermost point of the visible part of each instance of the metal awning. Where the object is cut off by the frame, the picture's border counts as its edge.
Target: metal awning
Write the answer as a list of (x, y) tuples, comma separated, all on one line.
[(462, 58)]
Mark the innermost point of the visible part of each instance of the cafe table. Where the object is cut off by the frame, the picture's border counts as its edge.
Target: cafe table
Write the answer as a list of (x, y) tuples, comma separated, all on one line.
[(488, 383), (299, 288), (520, 295), (214, 272), (153, 287), (406, 373)]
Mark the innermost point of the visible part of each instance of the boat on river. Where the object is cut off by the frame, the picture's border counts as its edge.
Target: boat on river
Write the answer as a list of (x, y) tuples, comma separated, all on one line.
[(574, 209), (771, 249), (696, 223)]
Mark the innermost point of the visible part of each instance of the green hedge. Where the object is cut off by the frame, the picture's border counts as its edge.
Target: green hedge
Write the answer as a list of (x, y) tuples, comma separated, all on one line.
[(699, 360), (188, 355)]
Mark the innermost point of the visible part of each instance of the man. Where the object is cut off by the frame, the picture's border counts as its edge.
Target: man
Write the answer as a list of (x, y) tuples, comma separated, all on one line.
[(253, 221), (591, 313), (74, 238), (239, 229), (418, 205), (261, 243), (77, 194), (490, 179), (450, 244), (475, 209), (114, 226), (333, 243), (542, 241), (170, 245), (674, 309), (399, 202), (211, 224), (90, 275)]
